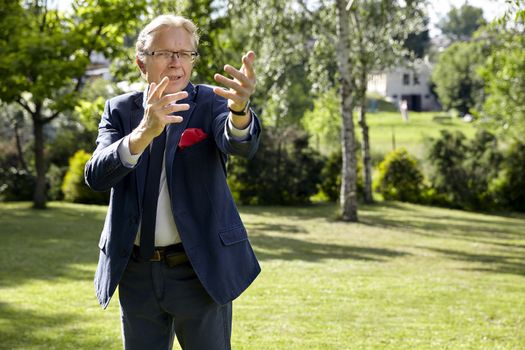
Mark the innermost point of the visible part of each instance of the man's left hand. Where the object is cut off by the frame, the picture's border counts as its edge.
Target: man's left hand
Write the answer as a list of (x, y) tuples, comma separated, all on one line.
[(241, 87)]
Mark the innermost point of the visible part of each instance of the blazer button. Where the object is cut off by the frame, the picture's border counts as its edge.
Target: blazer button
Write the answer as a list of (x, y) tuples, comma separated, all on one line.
[(134, 220), (124, 253)]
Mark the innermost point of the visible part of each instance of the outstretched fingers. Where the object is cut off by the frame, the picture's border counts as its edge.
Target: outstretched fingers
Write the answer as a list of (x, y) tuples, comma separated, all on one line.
[(242, 85)]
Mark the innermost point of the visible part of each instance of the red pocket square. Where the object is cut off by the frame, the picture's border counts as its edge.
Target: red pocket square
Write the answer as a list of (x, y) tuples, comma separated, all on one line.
[(191, 136)]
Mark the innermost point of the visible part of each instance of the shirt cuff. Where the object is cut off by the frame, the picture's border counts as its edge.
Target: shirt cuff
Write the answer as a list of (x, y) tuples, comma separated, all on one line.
[(128, 160), (238, 134)]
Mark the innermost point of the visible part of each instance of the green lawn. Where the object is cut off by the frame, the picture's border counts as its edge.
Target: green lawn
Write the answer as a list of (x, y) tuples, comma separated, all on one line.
[(405, 277), (387, 129)]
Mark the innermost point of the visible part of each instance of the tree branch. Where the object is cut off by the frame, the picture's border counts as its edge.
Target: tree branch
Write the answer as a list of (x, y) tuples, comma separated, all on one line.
[(44, 17), (51, 117), (25, 106)]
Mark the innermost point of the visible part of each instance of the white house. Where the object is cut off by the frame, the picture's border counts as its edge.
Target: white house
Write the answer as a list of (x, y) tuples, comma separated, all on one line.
[(406, 83)]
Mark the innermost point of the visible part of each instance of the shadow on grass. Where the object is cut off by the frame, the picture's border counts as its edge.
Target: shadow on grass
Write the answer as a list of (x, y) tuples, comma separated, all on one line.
[(442, 222), (502, 232), (48, 244), (27, 329), (323, 211), (16, 333), (284, 248), (511, 264)]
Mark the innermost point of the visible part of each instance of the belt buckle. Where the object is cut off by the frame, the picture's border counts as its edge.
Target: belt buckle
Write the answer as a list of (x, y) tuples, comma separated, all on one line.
[(156, 256)]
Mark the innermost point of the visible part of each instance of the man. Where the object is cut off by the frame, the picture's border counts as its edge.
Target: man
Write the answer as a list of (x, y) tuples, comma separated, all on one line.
[(173, 240)]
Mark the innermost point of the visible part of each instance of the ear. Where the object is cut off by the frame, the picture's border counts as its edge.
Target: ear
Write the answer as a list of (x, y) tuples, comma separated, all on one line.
[(141, 65)]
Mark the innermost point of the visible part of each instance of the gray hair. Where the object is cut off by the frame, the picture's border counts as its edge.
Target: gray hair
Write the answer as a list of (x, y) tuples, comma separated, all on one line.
[(146, 35)]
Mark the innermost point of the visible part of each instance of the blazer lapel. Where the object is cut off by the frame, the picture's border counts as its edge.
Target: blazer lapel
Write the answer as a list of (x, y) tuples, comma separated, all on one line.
[(174, 132), (140, 172)]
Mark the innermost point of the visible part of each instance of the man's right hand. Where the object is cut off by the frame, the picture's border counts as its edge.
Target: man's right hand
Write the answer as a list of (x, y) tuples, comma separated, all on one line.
[(157, 115)]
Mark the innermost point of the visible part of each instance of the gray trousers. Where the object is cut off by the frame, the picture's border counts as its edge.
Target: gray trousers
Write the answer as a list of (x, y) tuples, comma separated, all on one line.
[(158, 303)]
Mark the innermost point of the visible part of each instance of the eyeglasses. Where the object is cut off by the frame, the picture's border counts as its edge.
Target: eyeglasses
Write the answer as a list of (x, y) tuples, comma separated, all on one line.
[(167, 56)]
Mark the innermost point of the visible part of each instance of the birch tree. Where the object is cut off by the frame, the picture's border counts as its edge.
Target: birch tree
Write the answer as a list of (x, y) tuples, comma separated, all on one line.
[(378, 31)]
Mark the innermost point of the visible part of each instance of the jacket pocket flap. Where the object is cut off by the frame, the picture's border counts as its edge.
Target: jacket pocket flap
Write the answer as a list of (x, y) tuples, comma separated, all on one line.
[(233, 235)]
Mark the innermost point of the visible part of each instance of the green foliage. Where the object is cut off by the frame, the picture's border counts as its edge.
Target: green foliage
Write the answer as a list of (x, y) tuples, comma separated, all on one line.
[(74, 188), (284, 171), (70, 137), (457, 83), (330, 185), (504, 78), (16, 184), (279, 34), (418, 42), (47, 53), (323, 122), (92, 100), (399, 177), (462, 171), (447, 176), (55, 178), (461, 23), (482, 165), (509, 188)]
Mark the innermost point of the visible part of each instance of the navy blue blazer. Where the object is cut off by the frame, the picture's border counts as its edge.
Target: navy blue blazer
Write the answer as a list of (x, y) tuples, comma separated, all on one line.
[(207, 219)]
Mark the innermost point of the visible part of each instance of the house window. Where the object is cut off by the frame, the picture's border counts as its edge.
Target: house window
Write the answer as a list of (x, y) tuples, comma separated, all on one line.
[(394, 97), (406, 79), (416, 79)]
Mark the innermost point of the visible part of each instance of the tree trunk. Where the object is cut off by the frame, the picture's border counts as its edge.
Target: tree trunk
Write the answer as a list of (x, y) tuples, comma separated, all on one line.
[(349, 173), (19, 151), (367, 159), (39, 198)]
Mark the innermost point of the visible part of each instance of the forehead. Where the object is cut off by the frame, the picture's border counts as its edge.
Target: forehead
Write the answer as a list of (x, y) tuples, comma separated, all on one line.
[(171, 38)]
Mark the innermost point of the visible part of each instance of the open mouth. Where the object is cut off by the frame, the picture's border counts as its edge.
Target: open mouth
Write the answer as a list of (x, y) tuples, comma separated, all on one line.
[(175, 77)]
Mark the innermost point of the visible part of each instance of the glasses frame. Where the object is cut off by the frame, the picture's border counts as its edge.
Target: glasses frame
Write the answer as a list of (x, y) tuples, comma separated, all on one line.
[(173, 54)]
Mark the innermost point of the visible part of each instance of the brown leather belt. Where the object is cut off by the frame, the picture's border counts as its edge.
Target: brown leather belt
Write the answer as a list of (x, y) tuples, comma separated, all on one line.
[(172, 255)]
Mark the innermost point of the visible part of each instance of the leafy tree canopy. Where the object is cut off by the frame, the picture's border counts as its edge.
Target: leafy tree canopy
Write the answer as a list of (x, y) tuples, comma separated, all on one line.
[(460, 23), (457, 83), (504, 74)]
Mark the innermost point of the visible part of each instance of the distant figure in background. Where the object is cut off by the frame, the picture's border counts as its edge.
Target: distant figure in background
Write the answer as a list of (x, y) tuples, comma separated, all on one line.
[(403, 107)]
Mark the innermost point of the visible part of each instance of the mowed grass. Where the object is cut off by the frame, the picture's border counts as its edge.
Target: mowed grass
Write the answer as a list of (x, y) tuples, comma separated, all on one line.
[(405, 277), (387, 130)]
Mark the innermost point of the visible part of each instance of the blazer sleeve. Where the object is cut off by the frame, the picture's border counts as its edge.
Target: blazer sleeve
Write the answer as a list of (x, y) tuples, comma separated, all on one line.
[(105, 168), (228, 145)]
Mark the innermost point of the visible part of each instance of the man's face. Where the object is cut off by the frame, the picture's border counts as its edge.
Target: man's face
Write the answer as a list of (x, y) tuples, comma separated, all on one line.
[(178, 70)]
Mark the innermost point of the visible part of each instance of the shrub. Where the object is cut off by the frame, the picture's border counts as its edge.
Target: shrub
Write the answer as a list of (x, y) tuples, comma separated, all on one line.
[(509, 188), (461, 171), (447, 175), (55, 178), (16, 184), (482, 165), (74, 187), (283, 171), (399, 177)]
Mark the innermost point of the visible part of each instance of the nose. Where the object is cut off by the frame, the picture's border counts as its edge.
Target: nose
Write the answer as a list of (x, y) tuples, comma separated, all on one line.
[(175, 61)]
